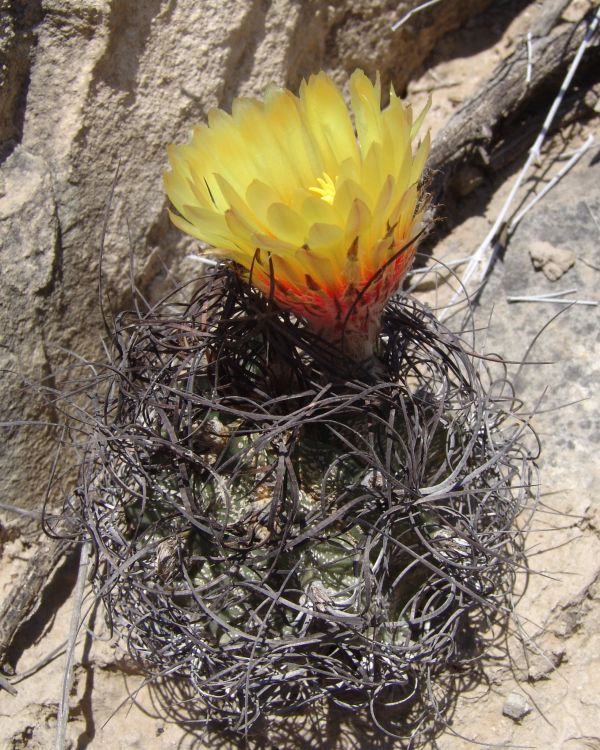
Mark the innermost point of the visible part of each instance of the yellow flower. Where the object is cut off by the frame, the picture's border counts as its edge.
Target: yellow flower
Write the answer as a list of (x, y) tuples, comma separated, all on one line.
[(322, 208)]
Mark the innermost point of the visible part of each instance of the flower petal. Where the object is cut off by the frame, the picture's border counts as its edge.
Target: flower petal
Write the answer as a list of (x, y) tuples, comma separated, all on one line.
[(366, 105), (328, 120), (284, 222), (312, 204)]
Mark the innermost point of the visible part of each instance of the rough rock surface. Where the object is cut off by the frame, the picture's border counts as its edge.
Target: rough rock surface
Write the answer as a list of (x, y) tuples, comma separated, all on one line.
[(551, 656), (553, 261), (516, 707), (92, 88)]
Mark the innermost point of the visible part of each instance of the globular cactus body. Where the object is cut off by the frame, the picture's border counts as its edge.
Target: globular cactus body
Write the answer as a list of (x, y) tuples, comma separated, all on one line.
[(278, 524)]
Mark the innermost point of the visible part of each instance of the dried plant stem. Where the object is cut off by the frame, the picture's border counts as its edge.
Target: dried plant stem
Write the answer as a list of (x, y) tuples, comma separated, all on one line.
[(21, 511), (471, 132), (54, 654), (25, 595), (407, 16), (557, 177), (63, 707), (529, 58), (6, 685), (539, 298), (482, 257)]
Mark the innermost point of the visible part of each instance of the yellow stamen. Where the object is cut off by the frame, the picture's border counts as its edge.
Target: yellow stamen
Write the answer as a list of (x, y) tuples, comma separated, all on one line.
[(326, 189)]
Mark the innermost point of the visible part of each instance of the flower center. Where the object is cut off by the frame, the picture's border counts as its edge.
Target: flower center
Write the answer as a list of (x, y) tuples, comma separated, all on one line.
[(325, 189)]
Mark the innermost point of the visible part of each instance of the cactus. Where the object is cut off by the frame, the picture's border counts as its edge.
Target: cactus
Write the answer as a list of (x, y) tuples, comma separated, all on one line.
[(300, 487), (277, 523)]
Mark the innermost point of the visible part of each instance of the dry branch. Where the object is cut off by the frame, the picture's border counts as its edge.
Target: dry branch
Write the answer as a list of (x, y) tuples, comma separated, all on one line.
[(473, 130), (25, 595)]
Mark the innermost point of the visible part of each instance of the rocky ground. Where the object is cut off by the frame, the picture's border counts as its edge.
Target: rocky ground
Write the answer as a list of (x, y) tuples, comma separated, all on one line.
[(540, 684), (550, 667)]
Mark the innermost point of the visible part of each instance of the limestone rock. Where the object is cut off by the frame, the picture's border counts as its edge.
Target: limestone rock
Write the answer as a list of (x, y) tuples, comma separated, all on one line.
[(516, 707), (17, 20), (31, 266), (554, 262), (28, 228)]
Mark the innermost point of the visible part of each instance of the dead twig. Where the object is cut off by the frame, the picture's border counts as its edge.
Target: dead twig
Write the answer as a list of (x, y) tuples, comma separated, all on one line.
[(482, 258), (407, 16), (54, 654), (472, 131), (6, 685), (63, 706), (25, 595)]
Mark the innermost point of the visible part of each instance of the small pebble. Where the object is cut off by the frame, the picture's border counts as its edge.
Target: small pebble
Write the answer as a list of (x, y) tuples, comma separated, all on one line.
[(552, 261), (516, 707)]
